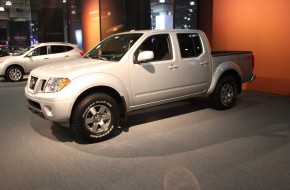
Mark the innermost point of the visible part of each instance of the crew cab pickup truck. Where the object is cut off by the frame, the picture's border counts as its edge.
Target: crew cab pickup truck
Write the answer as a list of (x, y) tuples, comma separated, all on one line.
[(135, 70)]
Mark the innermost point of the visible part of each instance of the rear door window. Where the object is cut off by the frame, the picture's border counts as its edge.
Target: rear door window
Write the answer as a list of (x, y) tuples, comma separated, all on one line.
[(68, 48), (189, 44), (57, 49)]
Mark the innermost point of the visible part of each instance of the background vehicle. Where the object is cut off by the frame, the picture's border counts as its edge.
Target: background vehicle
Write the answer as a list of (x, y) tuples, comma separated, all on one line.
[(131, 71), (23, 61), (4, 51), (9, 50)]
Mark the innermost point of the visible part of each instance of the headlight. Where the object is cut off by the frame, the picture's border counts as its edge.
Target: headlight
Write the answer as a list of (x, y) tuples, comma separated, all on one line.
[(56, 84)]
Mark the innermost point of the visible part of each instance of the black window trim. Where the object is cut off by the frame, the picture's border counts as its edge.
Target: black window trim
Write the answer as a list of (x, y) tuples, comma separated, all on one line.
[(201, 44), (169, 42)]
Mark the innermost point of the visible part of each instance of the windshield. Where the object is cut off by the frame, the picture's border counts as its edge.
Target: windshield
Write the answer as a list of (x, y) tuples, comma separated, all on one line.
[(22, 51), (113, 48)]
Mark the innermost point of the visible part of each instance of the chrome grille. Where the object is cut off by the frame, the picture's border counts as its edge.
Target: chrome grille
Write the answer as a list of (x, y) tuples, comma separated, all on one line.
[(32, 82), (43, 85)]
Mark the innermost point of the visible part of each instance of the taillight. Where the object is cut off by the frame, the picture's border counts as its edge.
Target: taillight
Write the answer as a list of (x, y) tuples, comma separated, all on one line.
[(253, 61)]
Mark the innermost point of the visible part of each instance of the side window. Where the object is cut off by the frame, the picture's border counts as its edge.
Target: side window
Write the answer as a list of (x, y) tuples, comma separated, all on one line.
[(159, 44), (68, 48), (189, 44), (40, 51), (57, 49)]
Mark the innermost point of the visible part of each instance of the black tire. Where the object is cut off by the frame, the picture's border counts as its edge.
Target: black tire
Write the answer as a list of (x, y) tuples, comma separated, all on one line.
[(95, 117), (225, 94), (14, 74)]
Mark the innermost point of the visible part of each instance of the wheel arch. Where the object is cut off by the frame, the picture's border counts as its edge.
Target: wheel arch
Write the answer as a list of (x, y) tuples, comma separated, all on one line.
[(236, 76), (107, 90), (226, 69)]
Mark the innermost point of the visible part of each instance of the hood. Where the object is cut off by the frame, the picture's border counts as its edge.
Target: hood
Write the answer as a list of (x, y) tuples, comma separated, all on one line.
[(6, 58), (71, 68)]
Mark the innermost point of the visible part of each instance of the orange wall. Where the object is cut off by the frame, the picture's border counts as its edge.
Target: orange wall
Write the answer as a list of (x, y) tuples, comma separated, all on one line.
[(100, 19), (262, 26), (90, 23)]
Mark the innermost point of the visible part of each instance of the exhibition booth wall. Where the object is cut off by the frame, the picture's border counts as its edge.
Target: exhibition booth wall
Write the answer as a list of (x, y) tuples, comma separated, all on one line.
[(263, 27)]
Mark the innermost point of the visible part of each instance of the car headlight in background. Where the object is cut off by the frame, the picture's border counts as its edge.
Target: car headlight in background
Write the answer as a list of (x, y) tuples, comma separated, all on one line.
[(56, 84)]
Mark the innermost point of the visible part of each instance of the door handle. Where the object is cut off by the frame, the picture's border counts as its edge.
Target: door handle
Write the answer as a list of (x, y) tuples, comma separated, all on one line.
[(46, 58), (173, 67), (204, 63), (67, 56)]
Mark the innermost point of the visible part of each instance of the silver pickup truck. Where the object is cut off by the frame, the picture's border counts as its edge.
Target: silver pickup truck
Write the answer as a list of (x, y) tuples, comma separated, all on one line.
[(134, 70)]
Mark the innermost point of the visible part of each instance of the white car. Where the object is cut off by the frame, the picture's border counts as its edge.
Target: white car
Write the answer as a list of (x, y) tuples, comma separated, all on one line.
[(13, 67)]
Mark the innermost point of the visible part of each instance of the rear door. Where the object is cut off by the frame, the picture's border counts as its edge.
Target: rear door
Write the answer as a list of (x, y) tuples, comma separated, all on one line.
[(195, 63), (59, 53)]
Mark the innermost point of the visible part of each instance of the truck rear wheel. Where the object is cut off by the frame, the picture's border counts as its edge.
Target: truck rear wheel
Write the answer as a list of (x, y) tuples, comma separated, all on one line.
[(95, 118), (225, 94)]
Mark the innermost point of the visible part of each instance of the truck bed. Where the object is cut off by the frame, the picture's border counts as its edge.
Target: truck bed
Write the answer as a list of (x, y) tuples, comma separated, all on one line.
[(239, 59), (223, 53)]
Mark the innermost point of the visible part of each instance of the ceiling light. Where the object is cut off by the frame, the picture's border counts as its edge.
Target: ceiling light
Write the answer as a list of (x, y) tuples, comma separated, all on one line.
[(192, 3), (161, 1), (8, 3), (2, 9)]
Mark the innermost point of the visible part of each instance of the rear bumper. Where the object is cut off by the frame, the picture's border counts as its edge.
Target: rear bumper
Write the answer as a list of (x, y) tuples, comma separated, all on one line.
[(253, 78)]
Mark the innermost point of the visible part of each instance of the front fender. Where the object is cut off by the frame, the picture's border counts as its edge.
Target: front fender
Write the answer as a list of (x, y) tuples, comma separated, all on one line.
[(87, 82), (220, 70)]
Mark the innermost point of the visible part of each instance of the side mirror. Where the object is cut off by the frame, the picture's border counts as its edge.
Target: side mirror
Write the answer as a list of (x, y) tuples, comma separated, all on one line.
[(29, 54), (145, 56)]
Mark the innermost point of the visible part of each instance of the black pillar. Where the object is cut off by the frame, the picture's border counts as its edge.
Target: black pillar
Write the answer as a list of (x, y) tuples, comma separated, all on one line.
[(205, 11)]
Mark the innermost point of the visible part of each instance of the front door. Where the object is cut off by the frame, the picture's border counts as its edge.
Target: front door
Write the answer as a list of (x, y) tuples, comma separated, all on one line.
[(158, 79), (39, 57)]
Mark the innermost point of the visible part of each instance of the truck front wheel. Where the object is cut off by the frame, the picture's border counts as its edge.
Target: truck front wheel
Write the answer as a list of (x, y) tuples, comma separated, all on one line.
[(95, 118), (225, 94)]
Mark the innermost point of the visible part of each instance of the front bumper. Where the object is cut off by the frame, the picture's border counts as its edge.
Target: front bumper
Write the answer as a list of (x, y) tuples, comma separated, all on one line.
[(51, 106), (2, 73), (35, 108)]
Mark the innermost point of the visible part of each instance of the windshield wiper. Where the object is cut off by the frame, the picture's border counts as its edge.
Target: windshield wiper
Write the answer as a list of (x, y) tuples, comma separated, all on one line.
[(97, 57)]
